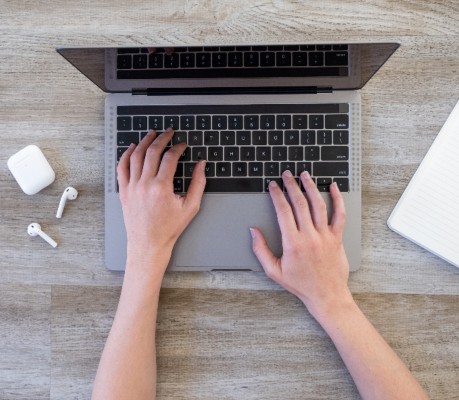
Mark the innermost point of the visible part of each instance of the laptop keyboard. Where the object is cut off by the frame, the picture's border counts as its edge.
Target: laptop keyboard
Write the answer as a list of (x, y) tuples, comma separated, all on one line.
[(233, 61), (247, 146)]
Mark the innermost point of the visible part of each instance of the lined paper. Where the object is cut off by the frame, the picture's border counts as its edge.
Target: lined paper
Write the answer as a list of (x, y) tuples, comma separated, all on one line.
[(428, 211)]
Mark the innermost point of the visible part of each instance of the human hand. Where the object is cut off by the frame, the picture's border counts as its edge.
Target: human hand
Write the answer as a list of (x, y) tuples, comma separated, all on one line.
[(314, 265), (154, 215)]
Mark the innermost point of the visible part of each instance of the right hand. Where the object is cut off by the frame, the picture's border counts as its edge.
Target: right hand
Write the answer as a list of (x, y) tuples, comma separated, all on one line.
[(313, 266)]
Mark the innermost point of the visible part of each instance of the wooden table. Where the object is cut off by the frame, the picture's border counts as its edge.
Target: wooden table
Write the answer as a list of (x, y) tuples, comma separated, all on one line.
[(221, 335)]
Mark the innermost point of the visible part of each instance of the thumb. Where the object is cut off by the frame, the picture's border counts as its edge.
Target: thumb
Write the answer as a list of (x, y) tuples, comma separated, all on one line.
[(269, 262)]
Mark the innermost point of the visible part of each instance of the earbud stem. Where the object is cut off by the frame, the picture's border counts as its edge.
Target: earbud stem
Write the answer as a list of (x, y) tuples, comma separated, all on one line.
[(47, 238)]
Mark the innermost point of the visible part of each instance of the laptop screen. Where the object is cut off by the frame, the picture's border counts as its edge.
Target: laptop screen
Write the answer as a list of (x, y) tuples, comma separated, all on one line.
[(301, 66)]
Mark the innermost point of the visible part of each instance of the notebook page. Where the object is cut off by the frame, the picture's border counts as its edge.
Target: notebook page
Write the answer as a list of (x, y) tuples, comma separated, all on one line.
[(428, 211)]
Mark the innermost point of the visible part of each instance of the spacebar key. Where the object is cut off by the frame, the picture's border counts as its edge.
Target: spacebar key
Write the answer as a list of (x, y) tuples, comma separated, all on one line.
[(228, 185)]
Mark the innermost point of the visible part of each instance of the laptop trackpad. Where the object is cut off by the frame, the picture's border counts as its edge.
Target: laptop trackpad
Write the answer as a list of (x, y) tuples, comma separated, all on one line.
[(219, 236)]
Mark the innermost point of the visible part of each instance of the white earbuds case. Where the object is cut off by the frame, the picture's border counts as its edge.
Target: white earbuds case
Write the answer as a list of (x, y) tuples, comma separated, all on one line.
[(31, 169)]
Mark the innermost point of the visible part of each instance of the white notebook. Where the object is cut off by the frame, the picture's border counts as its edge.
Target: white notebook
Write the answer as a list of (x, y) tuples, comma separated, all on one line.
[(428, 211)]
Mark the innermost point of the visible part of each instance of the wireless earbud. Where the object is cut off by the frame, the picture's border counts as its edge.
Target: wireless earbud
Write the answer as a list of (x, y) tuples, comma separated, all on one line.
[(34, 229), (69, 194)]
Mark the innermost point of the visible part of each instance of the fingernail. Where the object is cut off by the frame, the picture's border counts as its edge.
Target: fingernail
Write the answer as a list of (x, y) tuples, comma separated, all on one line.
[(169, 129), (273, 184), (306, 174), (252, 233), (288, 174)]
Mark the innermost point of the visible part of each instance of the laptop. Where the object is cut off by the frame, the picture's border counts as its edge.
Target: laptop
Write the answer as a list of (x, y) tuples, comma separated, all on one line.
[(252, 111)]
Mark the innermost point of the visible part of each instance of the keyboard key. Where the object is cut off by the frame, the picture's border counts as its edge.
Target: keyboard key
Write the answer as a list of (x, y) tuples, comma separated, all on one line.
[(283, 59), (171, 60), (171, 122), (128, 50), (235, 60), (284, 122), (124, 123), (126, 138), (300, 59), (219, 122), (279, 153), (292, 137), (139, 61), (340, 137), (336, 58), (227, 138), (330, 169), (251, 59), (203, 122), (203, 60), (303, 166), (209, 169), (300, 121), (223, 169), (337, 121), (239, 169), (210, 138), (295, 153), (195, 138), (267, 122), (279, 182), (239, 185), (324, 47), (187, 122), (343, 184), (178, 185), (255, 169), (179, 170), (312, 153), (155, 122), (187, 60), (120, 151), (271, 169), (186, 155), (290, 166), (231, 153), (259, 137), (335, 153), (189, 168), (235, 122), (199, 153), (267, 59), (316, 59), (139, 123), (156, 60), (316, 121), (219, 60), (324, 137), (215, 154), (275, 137), (243, 138), (124, 62), (308, 137), (263, 153), (323, 184), (179, 137), (248, 153), (251, 122)]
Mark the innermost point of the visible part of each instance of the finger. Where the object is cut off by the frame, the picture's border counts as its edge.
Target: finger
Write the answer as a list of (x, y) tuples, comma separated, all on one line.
[(339, 210), (154, 153), (196, 190), (284, 212), (299, 203), (169, 50), (317, 203), (123, 166), (169, 162), (138, 156), (269, 262)]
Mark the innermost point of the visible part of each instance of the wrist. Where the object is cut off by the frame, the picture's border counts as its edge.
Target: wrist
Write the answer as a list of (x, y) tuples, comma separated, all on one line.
[(332, 309)]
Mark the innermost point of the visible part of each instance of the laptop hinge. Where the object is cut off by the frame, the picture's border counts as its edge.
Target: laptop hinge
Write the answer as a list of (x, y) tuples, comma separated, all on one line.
[(232, 90)]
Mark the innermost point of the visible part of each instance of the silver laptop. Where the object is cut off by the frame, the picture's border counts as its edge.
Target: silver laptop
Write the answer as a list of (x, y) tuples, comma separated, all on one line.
[(251, 112)]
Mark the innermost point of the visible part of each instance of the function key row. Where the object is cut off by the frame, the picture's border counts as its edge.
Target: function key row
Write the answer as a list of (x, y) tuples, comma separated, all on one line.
[(236, 122), (309, 47)]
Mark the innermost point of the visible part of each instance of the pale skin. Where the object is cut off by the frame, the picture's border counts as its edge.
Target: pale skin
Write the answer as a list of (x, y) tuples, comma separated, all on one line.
[(313, 267)]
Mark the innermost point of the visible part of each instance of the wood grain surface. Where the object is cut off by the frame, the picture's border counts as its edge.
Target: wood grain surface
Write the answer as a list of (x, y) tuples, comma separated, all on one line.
[(221, 335)]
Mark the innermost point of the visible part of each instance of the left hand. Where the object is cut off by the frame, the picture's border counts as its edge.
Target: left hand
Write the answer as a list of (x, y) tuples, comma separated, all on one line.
[(154, 215)]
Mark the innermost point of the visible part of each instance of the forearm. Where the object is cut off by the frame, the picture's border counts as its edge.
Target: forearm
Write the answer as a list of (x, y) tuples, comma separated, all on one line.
[(376, 369), (127, 369)]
